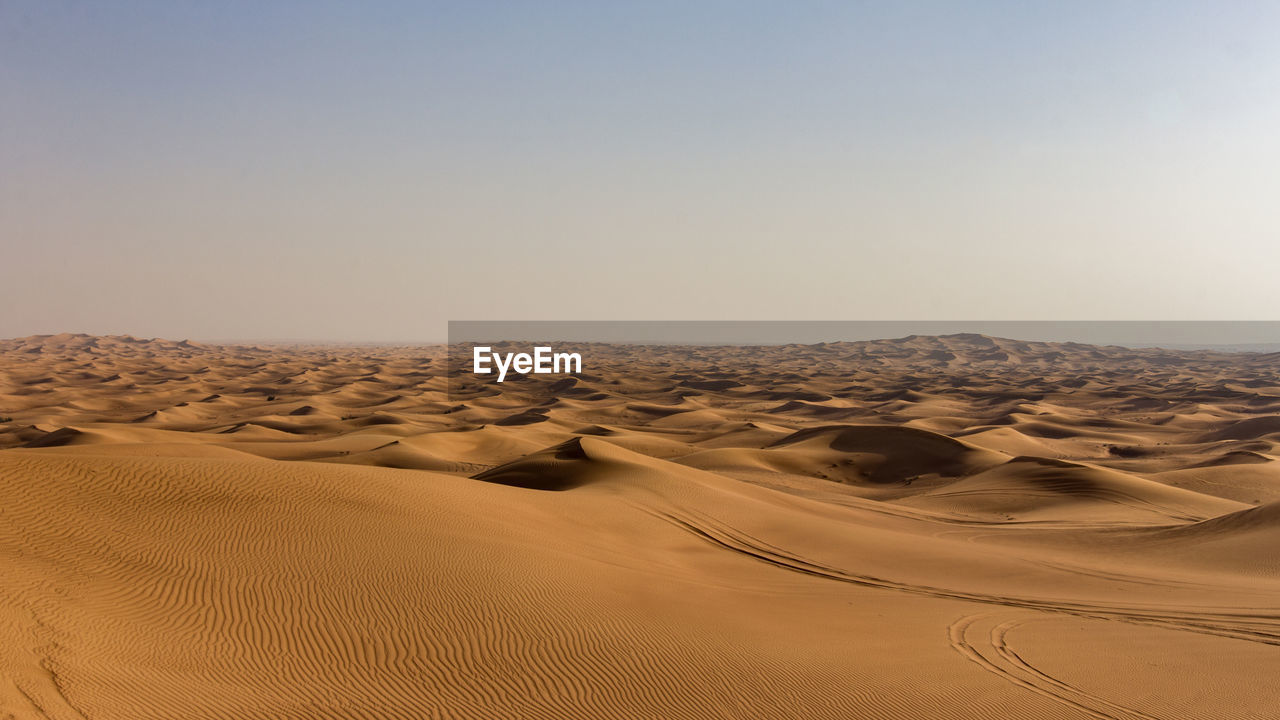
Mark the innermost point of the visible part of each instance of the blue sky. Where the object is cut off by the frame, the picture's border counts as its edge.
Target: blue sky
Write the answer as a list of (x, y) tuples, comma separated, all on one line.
[(338, 171)]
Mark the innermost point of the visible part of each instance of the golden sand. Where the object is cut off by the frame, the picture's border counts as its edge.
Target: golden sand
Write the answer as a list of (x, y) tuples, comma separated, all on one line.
[(956, 527)]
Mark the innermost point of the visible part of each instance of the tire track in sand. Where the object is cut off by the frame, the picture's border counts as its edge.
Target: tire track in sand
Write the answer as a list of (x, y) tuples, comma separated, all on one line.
[(1260, 625), (982, 639)]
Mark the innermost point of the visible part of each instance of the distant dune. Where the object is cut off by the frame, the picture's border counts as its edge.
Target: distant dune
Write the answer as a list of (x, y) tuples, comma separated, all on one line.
[(924, 527)]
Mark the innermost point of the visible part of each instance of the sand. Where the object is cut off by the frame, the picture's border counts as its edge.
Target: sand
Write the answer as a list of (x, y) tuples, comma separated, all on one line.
[(954, 527)]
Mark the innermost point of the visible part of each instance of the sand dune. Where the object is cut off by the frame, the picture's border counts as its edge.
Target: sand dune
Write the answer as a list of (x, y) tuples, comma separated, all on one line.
[(1028, 488), (926, 527)]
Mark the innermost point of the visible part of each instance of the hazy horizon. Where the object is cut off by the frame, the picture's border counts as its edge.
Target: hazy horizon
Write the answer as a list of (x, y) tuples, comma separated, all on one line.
[(1247, 336), (319, 170)]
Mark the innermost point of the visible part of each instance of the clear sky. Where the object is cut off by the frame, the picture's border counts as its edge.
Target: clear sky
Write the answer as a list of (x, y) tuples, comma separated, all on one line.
[(365, 171)]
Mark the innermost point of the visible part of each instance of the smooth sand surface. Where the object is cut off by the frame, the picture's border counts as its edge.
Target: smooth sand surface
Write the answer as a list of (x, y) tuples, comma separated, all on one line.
[(954, 527)]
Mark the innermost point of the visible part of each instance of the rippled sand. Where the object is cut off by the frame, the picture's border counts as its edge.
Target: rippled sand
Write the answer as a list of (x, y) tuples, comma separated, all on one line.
[(955, 527)]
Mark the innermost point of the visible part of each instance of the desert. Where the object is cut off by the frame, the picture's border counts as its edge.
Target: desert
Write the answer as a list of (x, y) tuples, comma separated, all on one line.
[(951, 526), (639, 360)]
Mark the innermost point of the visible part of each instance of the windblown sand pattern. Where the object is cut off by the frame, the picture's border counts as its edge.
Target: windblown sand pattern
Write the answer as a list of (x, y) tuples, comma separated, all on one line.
[(929, 527)]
